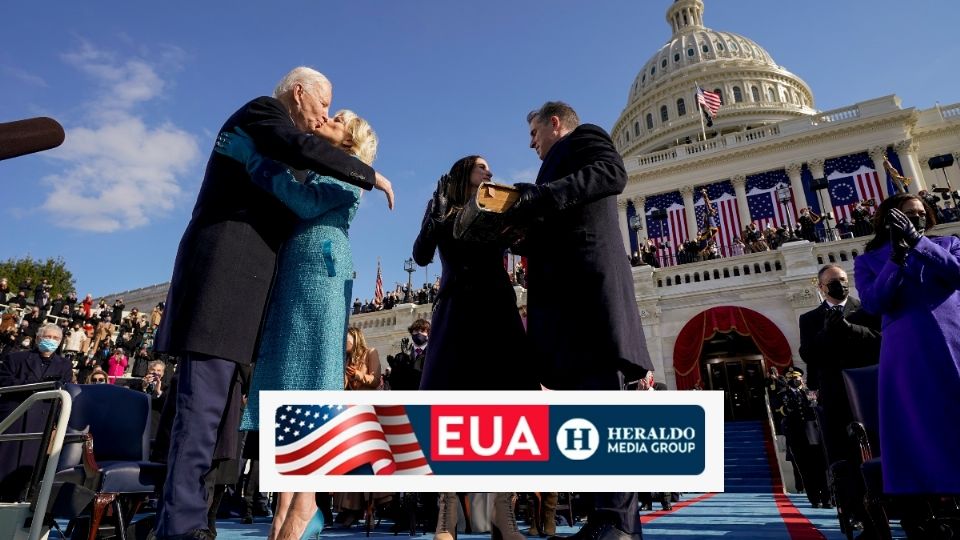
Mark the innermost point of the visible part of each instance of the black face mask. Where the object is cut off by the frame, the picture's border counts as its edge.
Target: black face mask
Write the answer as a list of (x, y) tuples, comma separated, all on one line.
[(795, 383), (919, 223), (838, 290), (419, 339)]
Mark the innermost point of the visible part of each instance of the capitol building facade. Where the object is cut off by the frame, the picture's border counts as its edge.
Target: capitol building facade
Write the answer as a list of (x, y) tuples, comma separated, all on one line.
[(722, 323)]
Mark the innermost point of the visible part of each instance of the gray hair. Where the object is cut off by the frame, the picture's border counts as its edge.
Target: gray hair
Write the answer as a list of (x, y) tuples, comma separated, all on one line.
[(309, 78), (157, 362), (568, 117), (50, 326)]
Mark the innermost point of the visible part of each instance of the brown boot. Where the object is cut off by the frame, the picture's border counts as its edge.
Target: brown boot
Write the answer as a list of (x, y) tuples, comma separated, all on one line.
[(447, 517), (550, 513), (503, 523)]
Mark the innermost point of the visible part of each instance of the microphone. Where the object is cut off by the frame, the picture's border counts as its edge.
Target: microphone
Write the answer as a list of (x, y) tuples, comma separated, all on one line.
[(24, 137)]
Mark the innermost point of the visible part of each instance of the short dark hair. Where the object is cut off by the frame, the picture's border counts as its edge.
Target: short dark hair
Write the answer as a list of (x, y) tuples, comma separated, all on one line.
[(568, 117), (419, 325), (825, 268)]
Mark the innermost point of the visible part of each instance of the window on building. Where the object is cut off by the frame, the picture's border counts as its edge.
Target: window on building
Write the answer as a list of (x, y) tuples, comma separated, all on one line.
[(664, 115), (663, 63), (706, 48), (690, 51), (771, 94), (636, 128), (733, 46), (737, 95), (681, 107), (719, 46), (756, 93), (719, 93), (649, 121), (653, 70), (676, 57)]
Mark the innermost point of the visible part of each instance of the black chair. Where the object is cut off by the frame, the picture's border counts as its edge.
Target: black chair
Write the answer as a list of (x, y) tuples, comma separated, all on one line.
[(112, 464), (862, 391), (840, 478)]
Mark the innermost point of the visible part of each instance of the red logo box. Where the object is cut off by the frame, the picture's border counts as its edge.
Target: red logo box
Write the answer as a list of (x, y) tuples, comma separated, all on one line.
[(490, 433)]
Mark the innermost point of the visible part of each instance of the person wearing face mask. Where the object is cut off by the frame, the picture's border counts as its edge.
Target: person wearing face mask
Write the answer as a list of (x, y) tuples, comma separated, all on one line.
[(26, 367), (912, 281), (838, 335)]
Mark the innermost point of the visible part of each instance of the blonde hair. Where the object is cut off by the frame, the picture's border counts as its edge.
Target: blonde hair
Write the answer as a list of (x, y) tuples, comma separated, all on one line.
[(365, 140), (357, 358)]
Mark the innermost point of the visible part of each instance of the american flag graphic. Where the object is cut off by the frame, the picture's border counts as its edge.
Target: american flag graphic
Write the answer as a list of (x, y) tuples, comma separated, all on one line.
[(762, 200), (708, 101), (672, 229), (852, 178), (723, 199), (344, 439)]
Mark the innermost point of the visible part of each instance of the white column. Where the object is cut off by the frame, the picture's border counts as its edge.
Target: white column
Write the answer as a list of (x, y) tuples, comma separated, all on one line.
[(794, 171), (624, 224), (739, 182), (689, 212), (907, 151), (877, 153), (638, 205), (816, 168)]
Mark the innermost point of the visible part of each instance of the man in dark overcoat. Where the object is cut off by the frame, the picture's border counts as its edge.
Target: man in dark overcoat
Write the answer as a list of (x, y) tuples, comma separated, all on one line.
[(837, 335), (36, 365), (223, 274), (574, 240)]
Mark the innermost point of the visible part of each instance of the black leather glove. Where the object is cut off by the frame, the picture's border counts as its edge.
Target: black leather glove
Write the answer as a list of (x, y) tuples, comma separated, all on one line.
[(530, 204), (901, 227), (835, 323), (437, 207)]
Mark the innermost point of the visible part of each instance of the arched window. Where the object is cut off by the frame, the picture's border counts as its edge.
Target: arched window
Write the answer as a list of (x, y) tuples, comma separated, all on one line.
[(664, 115), (681, 107), (649, 121), (663, 63), (676, 57), (706, 48), (627, 133), (690, 51), (737, 95), (771, 94), (719, 94), (756, 93), (636, 128)]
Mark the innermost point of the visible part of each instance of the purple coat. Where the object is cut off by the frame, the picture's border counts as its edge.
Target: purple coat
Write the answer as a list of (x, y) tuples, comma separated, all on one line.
[(919, 362)]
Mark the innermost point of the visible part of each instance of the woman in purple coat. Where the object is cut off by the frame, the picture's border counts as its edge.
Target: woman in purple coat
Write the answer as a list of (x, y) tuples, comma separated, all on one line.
[(913, 282)]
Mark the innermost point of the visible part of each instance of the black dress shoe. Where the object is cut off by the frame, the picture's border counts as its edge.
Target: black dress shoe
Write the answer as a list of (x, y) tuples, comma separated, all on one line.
[(196, 534), (600, 531)]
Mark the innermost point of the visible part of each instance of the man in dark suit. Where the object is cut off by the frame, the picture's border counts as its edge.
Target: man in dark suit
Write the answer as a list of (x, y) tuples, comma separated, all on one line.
[(837, 335), (223, 274), (574, 240), (27, 367)]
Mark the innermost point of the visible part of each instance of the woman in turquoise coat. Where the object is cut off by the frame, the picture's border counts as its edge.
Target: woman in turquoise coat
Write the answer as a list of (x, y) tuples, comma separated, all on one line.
[(303, 338)]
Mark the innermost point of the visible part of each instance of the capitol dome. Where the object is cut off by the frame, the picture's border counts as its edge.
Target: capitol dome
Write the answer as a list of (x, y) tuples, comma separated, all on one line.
[(661, 109)]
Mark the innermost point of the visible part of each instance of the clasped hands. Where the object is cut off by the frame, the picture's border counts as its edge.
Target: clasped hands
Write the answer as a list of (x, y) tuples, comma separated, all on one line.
[(903, 235), (835, 322)]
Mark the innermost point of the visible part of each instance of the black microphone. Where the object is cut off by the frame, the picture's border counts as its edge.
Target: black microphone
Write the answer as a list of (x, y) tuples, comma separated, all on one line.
[(24, 137)]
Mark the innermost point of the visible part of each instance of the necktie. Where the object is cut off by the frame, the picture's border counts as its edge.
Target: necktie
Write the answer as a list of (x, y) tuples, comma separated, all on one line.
[(418, 351)]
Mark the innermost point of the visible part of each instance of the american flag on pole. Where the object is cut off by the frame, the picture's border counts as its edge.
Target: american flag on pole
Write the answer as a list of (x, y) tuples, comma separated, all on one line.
[(852, 178), (765, 207), (708, 101), (345, 439), (672, 229), (724, 201), (378, 292)]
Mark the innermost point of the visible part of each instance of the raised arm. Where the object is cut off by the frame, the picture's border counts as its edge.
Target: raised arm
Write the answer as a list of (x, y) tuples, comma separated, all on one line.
[(307, 200), (434, 219), (269, 125), (602, 174)]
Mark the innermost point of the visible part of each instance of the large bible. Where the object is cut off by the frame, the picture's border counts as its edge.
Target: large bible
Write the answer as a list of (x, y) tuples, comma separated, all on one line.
[(482, 218)]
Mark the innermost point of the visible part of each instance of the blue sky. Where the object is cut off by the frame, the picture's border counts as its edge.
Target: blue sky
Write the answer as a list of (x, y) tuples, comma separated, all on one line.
[(142, 89)]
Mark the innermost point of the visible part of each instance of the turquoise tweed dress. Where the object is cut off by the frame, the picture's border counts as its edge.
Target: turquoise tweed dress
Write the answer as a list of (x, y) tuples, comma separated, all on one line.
[(302, 346)]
